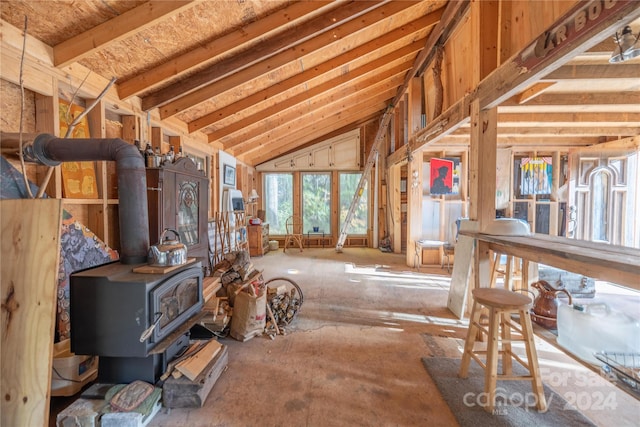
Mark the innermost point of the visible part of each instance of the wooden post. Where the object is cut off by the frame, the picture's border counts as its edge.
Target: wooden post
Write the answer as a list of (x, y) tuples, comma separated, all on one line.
[(130, 129), (48, 121), (483, 155), (156, 138), (483, 180), (414, 206)]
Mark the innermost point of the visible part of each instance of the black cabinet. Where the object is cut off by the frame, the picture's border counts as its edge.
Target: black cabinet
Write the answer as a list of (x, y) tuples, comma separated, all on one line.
[(178, 198)]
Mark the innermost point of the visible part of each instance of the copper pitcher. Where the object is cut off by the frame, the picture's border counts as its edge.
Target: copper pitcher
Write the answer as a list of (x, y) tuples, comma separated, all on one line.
[(545, 306)]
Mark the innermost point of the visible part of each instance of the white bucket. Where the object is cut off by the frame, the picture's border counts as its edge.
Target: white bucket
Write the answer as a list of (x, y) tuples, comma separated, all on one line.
[(273, 245)]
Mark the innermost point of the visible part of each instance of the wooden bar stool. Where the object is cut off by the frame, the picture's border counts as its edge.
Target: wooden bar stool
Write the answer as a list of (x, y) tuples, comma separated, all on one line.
[(501, 303)]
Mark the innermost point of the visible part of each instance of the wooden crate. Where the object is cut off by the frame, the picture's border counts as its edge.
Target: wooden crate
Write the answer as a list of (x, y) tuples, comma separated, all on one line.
[(184, 393)]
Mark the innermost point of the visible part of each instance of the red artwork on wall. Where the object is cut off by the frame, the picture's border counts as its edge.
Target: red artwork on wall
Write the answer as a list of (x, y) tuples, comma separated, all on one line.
[(441, 176)]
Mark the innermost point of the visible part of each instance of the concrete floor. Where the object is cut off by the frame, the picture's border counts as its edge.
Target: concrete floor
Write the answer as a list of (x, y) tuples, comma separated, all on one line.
[(352, 357)]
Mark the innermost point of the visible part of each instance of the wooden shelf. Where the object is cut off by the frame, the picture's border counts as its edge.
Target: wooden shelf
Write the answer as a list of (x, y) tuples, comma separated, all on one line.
[(258, 239), (90, 201)]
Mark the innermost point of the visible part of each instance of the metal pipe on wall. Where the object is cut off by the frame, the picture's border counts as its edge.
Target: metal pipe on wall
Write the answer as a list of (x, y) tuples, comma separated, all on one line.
[(132, 183)]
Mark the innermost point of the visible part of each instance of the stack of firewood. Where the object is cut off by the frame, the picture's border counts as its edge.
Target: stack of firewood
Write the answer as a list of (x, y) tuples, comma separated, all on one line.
[(234, 271), (283, 304), (193, 361)]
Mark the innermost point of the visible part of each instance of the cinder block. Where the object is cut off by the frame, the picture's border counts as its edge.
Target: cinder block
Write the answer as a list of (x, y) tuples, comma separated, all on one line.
[(81, 413), (121, 419)]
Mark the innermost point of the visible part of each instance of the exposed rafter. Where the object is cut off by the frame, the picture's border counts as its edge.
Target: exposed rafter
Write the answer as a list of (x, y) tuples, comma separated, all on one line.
[(345, 58), (207, 52), (270, 54), (263, 78), (118, 28), (379, 81)]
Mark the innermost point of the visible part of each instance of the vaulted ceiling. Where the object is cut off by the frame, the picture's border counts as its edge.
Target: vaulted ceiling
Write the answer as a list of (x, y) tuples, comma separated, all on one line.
[(262, 78)]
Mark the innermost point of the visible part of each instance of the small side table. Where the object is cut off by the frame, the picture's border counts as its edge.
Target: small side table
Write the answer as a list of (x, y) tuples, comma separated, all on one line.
[(318, 233)]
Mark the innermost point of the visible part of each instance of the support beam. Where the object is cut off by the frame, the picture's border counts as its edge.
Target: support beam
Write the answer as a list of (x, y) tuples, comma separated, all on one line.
[(270, 55), (572, 99), (290, 124), (594, 72), (327, 66), (482, 170), (116, 29), (532, 92), (311, 127), (266, 122), (328, 86), (394, 174), (575, 32), (208, 51)]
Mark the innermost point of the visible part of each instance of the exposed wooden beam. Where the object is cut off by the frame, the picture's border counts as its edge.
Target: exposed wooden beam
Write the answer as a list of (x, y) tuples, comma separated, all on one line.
[(558, 131), (625, 144), (328, 86), (569, 119), (518, 144), (451, 119), (578, 99), (532, 92), (207, 52), (388, 38), (118, 28), (548, 53), (290, 122), (336, 132), (381, 81), (317, 123), (270, 55), (450, 18), (595, 71), (270, 151), (548, 141)]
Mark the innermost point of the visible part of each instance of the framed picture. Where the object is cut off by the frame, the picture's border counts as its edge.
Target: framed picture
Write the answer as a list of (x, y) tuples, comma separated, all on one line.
[(229, 175), (441, 176), (535, 175)]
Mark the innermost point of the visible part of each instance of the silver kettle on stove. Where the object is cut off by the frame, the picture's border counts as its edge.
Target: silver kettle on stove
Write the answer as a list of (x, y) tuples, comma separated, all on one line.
[(169, 252)]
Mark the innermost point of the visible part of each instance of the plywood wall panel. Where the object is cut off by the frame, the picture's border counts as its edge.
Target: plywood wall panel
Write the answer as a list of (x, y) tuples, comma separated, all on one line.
[(529, 19), (30, 231), (457, 64), (10, 97)]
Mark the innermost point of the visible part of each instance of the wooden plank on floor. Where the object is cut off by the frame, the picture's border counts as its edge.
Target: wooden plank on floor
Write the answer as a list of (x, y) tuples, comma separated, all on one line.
[(192, 366), (30, 239)]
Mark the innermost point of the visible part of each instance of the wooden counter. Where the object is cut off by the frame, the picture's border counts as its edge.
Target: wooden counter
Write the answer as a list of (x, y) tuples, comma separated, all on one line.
[(611, 263)]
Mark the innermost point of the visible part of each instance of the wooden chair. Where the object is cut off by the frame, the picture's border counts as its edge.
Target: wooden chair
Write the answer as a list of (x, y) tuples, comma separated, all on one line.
[(294, 232)]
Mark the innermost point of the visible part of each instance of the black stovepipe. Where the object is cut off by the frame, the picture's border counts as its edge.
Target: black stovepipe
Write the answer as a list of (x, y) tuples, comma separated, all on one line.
[(132, 183)]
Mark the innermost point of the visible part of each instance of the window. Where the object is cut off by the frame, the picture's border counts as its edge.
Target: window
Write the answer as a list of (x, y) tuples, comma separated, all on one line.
[(348, 186), (278, 201), (316, 202), (600, 190)]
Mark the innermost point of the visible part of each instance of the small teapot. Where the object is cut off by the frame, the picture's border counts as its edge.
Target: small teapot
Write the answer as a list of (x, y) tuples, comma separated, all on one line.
[(545, 306), (168, 252)]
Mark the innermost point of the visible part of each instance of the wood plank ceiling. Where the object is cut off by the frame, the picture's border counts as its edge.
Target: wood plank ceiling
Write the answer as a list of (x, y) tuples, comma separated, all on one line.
[(263, 78)]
